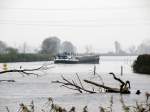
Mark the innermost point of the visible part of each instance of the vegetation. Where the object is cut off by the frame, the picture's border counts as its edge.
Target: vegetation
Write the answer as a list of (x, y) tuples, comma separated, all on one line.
[(51, 106), (21, 57), (50, 47), (142, 64), (53, 46), (68, 47)]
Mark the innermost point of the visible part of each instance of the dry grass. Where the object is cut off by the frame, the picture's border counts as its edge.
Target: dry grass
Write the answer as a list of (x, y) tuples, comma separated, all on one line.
[(50, 106)]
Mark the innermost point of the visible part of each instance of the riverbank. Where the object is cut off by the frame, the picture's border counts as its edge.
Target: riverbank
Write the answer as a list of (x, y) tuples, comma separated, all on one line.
[(24, 57)]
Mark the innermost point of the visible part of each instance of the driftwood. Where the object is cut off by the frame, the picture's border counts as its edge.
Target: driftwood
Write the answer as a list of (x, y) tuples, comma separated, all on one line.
[(7, 80), (102, 86), (26, 71), (72, 85), (125, 86), (124, 89), (108, 89)]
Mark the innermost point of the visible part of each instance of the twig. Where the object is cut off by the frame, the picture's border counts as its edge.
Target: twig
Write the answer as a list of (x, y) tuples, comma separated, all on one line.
[(7, 109), (79, 80)]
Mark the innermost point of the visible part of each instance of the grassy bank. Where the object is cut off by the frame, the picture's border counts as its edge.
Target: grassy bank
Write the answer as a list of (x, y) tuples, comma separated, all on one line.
[(24, 57)]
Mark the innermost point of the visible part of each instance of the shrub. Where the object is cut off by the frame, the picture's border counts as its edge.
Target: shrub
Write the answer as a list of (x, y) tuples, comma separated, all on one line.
[(142, 64)]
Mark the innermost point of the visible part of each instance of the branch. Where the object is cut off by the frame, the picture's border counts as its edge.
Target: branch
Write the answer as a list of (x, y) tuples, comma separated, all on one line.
[(72, 85), (26, 71), (108, 89), (79, 80), (7, 80), (99, 85), (114, 76)]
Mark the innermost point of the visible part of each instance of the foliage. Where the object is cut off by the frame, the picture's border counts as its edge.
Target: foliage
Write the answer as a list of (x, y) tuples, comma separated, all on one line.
[(2, 47), (68, 47), (11, 50), (51, 45), (142, 64)]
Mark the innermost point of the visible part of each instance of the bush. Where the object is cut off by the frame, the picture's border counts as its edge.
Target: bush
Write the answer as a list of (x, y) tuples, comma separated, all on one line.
[(142, 64)]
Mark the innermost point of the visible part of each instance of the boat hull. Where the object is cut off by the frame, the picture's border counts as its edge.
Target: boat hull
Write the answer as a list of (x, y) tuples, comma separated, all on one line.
[(65, 62), (89, 59), (80, 59)]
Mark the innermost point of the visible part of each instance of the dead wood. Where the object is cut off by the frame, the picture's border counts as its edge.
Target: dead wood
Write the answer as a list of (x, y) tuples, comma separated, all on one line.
[(26, 71), (125, 86), (102, 86), (124, 89), (72, 85), (118, 79), (7, 80), (108, 89)]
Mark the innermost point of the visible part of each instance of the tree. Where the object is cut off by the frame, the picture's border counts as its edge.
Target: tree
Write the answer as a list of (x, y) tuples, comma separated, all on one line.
[(51, 46), (68, 47), (3, 47), (11, 50), (88, 49), (144, 47), (117, 47), (132, 49)]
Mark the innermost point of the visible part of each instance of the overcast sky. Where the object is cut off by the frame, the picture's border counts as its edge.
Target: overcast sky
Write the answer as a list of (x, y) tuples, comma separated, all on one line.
[(83, 22)]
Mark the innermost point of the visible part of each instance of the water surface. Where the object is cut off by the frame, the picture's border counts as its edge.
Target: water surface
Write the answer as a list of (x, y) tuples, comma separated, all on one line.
[(38, 89)]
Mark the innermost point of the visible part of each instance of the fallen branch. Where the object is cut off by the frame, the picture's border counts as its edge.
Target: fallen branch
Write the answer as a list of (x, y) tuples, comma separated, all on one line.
[(124, 89), (72, 85), (102, 86), (125, 86), (7, 80), (108, 89), (26, 71)]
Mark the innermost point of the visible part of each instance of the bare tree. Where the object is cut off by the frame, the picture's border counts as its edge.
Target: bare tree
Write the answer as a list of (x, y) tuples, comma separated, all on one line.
[(144, 47), (132, 49), (88, 49), (68, 47), (117, 47)]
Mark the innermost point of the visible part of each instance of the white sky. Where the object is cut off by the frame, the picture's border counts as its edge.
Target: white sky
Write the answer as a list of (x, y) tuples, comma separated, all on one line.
[(83, 22)]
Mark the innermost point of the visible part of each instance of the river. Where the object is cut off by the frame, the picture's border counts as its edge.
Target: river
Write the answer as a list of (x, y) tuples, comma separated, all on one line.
[(38, 89)]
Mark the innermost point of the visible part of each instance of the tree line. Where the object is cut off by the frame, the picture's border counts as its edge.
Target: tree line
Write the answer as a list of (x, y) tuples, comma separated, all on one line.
[(54, 46), (50, 47), (143, 48)]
